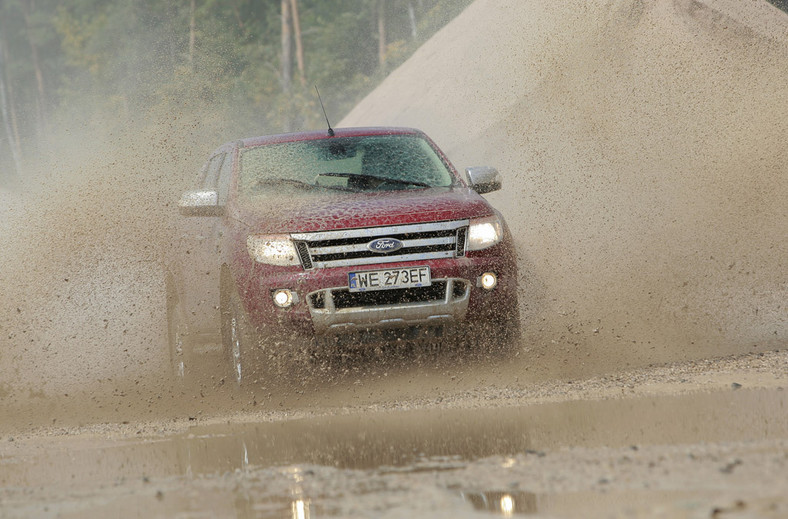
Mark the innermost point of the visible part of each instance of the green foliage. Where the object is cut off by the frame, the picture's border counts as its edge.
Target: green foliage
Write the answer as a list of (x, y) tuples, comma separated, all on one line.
[(105, 63), (782, 4)]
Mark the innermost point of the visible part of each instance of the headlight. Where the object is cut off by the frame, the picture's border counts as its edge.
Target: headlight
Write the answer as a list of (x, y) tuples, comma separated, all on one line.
[(273, 249), (484, 232)]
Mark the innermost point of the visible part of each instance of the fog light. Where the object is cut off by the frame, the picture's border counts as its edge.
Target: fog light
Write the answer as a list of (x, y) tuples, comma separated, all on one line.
[(488, 280), (283, 298)]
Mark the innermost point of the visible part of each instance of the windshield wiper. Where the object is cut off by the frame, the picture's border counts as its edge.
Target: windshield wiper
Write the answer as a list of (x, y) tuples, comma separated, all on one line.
[(286, 182), (374, 178)]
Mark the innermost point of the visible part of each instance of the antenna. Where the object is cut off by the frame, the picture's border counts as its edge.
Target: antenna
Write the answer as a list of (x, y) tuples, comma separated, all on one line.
[(330, 130)]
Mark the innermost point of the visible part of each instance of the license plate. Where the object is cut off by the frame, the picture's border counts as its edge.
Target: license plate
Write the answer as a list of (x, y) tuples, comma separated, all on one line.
[(388, 279)]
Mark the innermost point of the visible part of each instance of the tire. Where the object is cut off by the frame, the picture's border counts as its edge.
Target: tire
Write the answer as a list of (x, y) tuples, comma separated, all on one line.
[(239, 340), (177, 332)]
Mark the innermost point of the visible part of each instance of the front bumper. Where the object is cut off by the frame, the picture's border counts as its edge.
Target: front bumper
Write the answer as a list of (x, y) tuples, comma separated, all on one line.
[(324, 306), (448, 305)]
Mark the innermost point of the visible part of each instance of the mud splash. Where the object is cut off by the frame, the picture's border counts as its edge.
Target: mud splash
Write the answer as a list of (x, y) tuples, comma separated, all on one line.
[(83, 236)]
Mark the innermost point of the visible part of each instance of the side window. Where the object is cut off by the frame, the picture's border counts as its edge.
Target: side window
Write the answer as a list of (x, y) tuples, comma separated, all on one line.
[(225, 175), (212, 174)]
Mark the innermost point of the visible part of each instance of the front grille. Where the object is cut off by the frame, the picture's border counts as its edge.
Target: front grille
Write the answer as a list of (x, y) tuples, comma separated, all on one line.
[(347, 299), (349, 247), (342, 298)]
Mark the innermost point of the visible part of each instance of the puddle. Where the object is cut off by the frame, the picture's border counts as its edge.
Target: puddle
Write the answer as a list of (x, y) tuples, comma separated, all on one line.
[(416, 440), (265, 469)]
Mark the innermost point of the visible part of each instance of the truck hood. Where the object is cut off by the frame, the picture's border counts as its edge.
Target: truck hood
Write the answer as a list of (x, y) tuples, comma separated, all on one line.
[(308, 212)]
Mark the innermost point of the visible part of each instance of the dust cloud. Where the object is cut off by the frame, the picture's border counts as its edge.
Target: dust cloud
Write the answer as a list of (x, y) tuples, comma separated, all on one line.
[(643, 151)]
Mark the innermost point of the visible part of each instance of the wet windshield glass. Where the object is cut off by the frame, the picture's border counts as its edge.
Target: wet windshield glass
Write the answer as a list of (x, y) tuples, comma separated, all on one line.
[(371, 163)]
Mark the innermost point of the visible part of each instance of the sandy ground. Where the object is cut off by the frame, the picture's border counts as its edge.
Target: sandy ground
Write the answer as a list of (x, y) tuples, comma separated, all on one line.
[(643, 151), (694, 439)]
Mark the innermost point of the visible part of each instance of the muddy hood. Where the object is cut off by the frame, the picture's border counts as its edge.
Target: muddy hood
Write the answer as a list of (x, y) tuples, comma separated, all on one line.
[(289, 213)]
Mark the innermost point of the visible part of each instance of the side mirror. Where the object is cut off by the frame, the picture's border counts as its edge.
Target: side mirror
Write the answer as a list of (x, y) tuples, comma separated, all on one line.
[(483, 179), (200, 203)]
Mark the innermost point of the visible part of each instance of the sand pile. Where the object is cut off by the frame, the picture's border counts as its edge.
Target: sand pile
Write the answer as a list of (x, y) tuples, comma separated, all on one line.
[(643, 147)]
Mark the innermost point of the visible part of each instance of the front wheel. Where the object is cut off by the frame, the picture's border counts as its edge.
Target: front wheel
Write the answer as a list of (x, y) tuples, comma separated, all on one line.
[(177, 331), (238, 338)]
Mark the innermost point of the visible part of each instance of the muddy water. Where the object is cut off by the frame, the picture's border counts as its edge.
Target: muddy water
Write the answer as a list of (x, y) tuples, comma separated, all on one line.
[(276, 458)]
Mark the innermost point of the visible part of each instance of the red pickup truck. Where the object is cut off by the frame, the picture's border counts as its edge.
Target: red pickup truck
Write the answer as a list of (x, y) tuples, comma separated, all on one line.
[(337, 239)]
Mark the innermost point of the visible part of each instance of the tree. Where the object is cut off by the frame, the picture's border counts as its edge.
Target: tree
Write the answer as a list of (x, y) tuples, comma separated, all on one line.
[(287, 49), (382, 34), (192, 30), (246, 62), (5, 114), (298, 43), (28, 7), (781, 4), (291, 31)]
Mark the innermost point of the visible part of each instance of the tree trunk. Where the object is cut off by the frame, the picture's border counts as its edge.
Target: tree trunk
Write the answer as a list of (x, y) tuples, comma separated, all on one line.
[(4, 113), (238, 16), (298, 44), (192, 30), (414, 32), (382, 34), (287, 50), (28, 7), (9, 94)]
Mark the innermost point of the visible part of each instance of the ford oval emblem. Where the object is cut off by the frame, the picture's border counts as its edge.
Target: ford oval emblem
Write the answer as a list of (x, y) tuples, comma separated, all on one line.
[(384, 245)]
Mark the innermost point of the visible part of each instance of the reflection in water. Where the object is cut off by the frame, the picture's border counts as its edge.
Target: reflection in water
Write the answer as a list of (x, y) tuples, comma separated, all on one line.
[(301, 509), (300, 506), (503, 503), (507, 505)]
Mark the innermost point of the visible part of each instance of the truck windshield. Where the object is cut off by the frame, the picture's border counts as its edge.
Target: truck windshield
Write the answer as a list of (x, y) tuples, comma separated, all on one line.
[(366, 163)]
